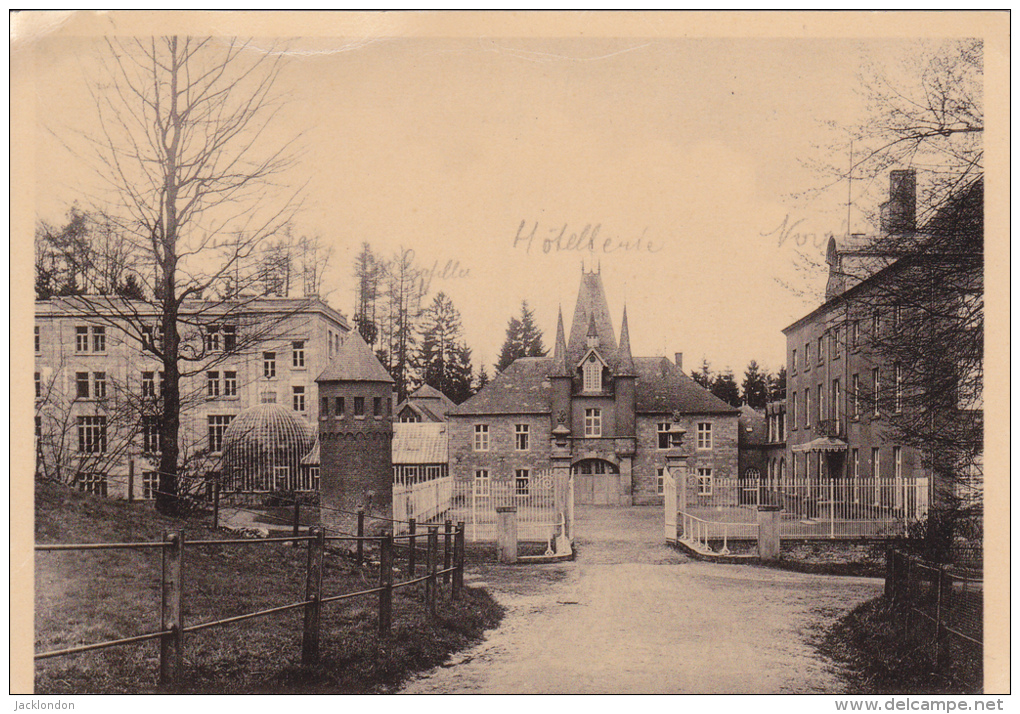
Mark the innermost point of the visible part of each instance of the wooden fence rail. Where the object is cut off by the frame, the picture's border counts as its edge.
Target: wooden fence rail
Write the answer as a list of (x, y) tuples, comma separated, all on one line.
[(173, 628)]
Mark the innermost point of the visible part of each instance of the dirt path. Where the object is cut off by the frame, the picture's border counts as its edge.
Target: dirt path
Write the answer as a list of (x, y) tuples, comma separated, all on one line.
[(631, 615)]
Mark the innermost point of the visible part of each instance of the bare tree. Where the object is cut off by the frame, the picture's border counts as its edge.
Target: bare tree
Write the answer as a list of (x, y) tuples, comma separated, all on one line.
[(194, 178)]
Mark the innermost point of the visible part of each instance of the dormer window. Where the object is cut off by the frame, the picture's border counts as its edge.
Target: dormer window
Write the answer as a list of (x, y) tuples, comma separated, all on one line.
[(592, 374)]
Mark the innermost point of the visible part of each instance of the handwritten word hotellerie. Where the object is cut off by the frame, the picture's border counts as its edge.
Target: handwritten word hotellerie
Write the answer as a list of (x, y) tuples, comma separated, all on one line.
[(557, 239)]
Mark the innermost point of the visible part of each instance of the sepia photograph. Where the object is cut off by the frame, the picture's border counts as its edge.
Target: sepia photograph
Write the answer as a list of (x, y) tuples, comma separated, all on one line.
[(503, 353)]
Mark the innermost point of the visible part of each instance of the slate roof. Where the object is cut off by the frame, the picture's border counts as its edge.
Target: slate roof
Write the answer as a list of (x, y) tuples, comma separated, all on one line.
[(419, 443), (522, 388), (752, 427), (662, 387), (355, 362), (591, 309)]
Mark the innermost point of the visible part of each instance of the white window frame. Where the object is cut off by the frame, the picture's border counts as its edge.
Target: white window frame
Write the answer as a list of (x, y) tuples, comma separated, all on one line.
[(212, 384), (481, 442), (150, 485), (662, 429), (704, 481), (522, 437), (522, 477), (99, 340), (92, 434), (482, 484), (592, 371), (898, 379), (704, 436), (298, 399), (592, 422), (81, 338), (298, 354), (217, 424), (230, 383), (660, 486), (876, 388), (269, 365), (99, 385)]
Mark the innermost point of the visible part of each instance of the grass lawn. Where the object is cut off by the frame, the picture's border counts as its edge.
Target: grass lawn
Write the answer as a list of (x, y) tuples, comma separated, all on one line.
[(83, 597)]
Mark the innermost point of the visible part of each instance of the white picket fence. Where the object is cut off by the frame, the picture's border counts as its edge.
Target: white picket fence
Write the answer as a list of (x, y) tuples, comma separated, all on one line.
[(424, 502), (854, 508), (542, 503)]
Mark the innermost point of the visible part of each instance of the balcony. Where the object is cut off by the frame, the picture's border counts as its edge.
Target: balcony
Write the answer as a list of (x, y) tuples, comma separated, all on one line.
[(834, 428)]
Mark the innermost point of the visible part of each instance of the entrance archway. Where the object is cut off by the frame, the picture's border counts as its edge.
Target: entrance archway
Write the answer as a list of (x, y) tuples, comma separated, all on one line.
[(596, 481)]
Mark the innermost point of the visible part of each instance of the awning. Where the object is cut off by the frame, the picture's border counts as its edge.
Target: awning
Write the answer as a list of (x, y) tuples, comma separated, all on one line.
[(822, 443)]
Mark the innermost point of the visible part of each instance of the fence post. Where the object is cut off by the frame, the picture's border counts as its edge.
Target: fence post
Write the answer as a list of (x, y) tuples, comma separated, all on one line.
[(506, 534), (768, 533), (171, 645), (313, 592), (297, 520), (458, 558), (940, 634), (411, 554), (361, 534), (447, 547), (386, 583), (431, 584), (216, 505)]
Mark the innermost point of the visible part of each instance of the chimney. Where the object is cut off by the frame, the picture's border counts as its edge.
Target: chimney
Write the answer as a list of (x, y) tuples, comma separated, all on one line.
[(898, 214), (679, 361)]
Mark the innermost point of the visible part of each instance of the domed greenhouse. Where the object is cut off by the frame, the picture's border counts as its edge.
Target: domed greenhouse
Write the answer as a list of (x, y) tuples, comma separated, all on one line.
[(265, 449)]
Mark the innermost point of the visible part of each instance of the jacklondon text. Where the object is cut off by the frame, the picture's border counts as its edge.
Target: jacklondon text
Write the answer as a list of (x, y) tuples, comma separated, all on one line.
[(37, 704), (554, 239)]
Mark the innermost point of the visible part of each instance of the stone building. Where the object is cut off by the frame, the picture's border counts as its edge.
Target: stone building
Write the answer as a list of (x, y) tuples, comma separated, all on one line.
[(355, 436), (97, 390), (594, 410)]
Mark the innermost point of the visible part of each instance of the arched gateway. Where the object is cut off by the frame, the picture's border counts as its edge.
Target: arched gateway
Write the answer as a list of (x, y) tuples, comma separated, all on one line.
[(596, 481)]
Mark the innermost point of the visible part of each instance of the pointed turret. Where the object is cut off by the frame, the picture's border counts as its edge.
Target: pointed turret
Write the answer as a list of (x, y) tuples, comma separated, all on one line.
[(593, 333), (591, 305), (624, 356), (560, 351)]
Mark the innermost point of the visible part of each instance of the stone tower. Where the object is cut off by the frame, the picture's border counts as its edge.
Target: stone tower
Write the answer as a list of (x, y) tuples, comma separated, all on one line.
[(355, 438)]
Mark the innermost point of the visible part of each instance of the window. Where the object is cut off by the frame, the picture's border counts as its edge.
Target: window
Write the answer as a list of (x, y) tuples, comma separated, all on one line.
[(81, 380), (150, 434), (807, 408), (807, 356), (876, 462), (896, 315), (91, 483), (592, 422), (821, 403), (821, 350), (876, 322), (704, 435), (834, 344), (299, 399), (38, 385), (230, 384), (660, 481), (298, 353), (150, 484), (212, 339), (212, 384), (148, 384), (522, 482), (81, 339), (834, 402), (592, 374), (218, 424), (99, 340), (876, 388), (793, 361), (324, 409), (793, 412), (481, 437), (897, 455), (340, 411), (92, 434), (662, 429), (229, 337), (377, 407), (855, 392), (481, 482), (282, 478), (359, 406), (704, 482), (855, 333), (898, 377), (99, 385), (855, 463), (521, 434), (269, 365), (38, 342)]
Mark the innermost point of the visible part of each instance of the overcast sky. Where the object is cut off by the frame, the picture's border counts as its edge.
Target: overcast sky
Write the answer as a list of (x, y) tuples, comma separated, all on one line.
[(448, 147)]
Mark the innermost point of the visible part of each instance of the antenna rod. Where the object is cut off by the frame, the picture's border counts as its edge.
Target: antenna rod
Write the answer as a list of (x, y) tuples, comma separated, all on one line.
[(849, 187)]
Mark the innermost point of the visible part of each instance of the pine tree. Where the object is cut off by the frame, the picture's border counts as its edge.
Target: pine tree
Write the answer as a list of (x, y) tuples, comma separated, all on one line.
[(725, 387), (368, 270), (704, 375), (483, 379), (777, 385), (443, 360), (754, 388), (523, 339)]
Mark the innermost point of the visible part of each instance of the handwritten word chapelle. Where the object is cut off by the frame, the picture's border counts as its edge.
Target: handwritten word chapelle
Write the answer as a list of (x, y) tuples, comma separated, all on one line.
[(557, 239)]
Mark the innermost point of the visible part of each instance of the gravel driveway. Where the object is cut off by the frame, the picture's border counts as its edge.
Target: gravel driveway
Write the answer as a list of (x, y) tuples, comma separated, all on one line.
[(631, 615)]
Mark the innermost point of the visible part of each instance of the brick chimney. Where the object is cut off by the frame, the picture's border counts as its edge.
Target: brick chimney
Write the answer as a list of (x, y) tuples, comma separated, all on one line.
[(898, 214), (679, 360)]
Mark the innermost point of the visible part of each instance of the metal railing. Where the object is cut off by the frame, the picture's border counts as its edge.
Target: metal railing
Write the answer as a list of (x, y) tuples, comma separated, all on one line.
[(699, 533), (172, 628)]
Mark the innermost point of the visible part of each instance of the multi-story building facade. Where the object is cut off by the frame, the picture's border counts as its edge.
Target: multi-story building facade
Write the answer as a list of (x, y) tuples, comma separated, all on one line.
[(594, 408), (98, 389)]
